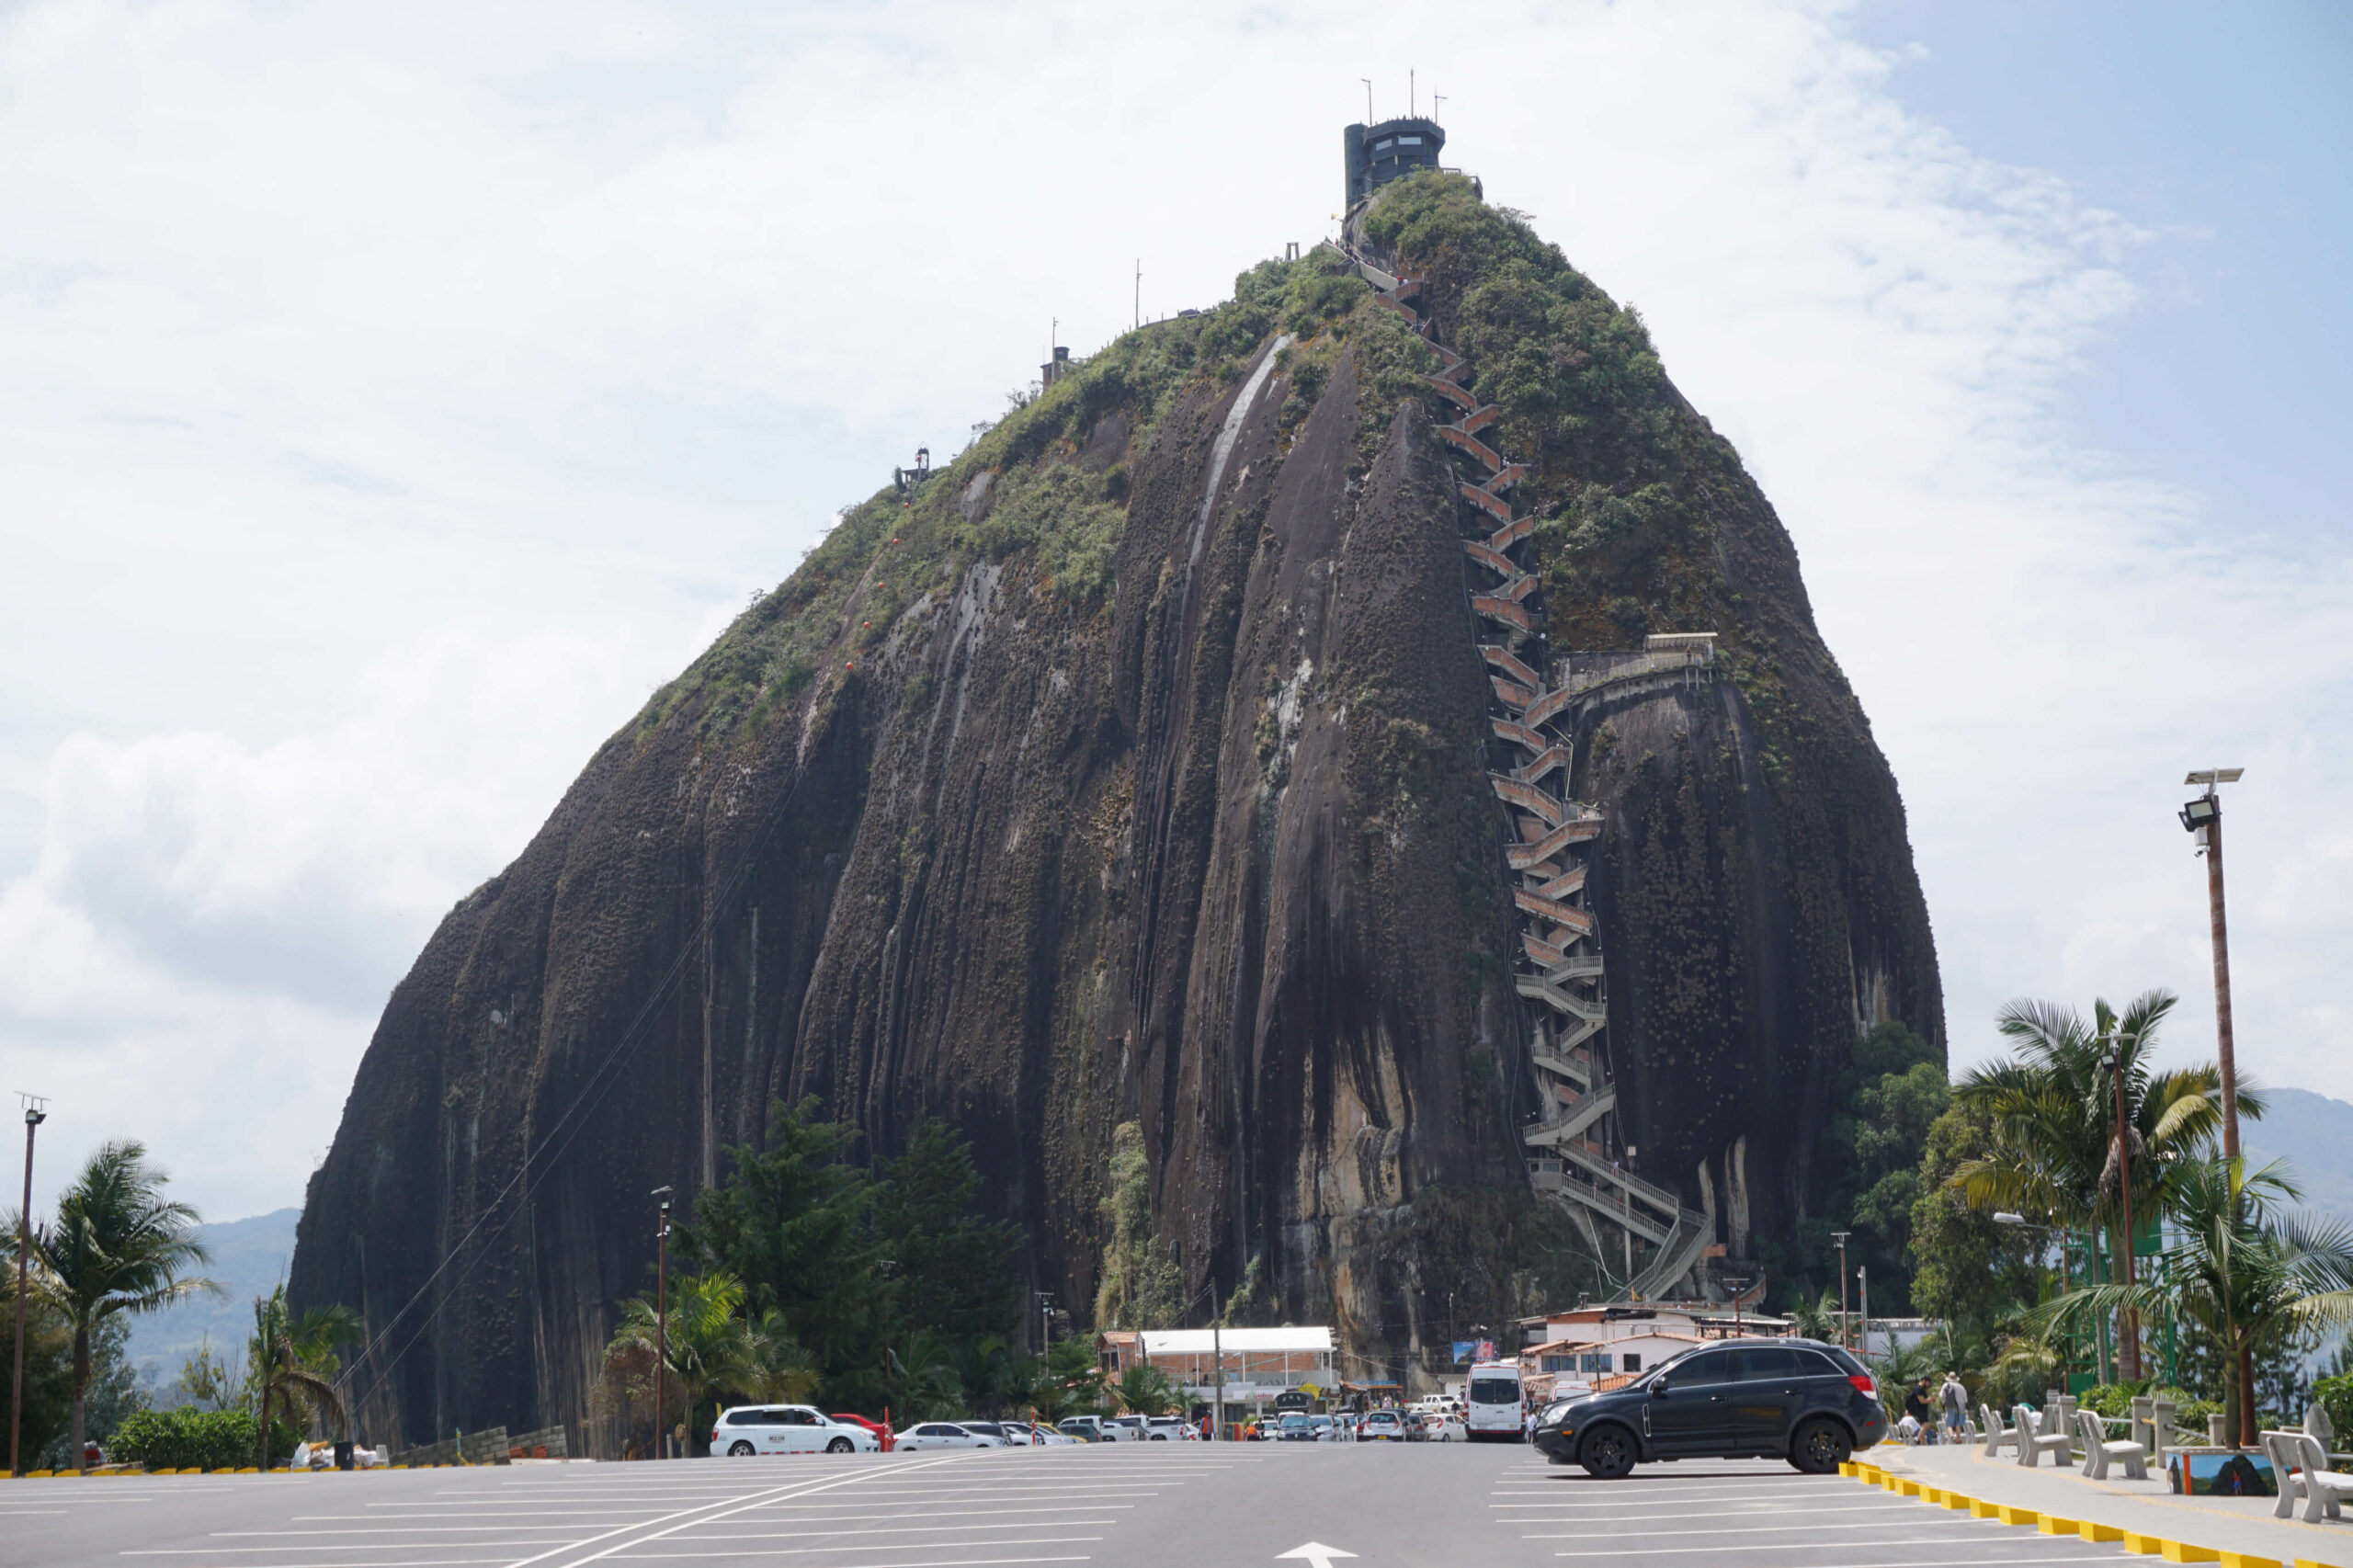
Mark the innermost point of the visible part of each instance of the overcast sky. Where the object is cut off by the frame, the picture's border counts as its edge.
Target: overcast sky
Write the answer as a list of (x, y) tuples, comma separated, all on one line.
[(391, 396)]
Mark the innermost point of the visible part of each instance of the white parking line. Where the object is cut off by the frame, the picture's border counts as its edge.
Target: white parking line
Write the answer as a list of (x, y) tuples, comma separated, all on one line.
[(1909, 1561), (896, 1529), (1741, 1529), (946, 1562), (673, 1554)]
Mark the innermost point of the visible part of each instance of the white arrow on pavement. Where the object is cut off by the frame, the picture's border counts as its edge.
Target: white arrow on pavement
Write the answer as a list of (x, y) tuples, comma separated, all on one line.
[(1316, 1552)]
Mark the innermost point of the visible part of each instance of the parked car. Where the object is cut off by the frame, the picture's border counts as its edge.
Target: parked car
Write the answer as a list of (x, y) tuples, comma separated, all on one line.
[(1169, 1428), (1443, 1426), (744, 1430), (1086, 1428), (1125, 1428), (1383, 1426), (945, 1435), (882, 1433), (1044, 1437), (1297, 1429), (1800, 1400), (1012, 1434)]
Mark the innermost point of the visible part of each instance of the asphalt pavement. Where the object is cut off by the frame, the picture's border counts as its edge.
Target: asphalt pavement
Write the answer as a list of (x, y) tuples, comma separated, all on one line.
[(1137, 1505)]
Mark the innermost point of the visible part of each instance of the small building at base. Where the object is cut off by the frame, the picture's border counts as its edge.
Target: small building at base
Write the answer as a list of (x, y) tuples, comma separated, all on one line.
[(1261, 1365)]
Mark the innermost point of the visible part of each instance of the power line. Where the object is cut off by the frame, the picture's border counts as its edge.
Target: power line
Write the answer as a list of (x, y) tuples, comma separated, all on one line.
[(590, 1094)]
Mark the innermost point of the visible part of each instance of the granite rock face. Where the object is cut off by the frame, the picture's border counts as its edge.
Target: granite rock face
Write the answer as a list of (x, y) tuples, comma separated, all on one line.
[(1134, 771)]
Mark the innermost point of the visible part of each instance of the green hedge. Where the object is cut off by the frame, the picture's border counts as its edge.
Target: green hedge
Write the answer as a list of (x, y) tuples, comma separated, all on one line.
[(196, 1439)]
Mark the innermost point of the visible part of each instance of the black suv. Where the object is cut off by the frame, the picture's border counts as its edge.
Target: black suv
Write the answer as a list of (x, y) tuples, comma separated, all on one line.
[(1799, 1400)]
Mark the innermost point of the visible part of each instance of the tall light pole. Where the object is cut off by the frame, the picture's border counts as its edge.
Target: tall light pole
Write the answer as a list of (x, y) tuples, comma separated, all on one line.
[(2126, 1325), (1863, 1285), (1846, 1339), (2203, 817), (662, 1327), (34, 1117)]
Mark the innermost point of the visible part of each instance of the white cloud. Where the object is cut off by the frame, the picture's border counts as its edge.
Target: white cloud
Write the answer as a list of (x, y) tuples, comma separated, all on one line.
[(394, 397)]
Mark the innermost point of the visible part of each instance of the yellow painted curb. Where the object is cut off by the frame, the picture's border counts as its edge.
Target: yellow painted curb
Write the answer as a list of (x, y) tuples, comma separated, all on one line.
[(2091, 1531), (2049, 1524), (2012, 1516), (1982, 1509), (2247, 1560)]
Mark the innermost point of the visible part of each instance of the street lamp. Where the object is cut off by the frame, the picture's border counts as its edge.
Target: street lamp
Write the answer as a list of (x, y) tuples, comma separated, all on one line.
[(2203, 817), (662, 1325), (2003, 1217), (34, 1115), (1845, 1338)]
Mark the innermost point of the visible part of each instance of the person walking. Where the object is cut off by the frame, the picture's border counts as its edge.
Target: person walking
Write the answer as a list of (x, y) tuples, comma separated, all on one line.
[(1954, 1399), (1916, 1412)]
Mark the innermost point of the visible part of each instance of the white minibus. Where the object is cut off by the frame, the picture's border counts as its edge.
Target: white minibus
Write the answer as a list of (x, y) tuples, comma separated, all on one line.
[(1496, 1405)]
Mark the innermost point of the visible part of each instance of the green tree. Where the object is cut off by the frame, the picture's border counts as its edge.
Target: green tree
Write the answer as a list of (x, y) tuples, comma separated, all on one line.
[(290, 1363), (1144, 1390), (208, 1381), (707, 1349), (2243, 1270), (1072, 1380), (2050, 1118), (955, 1271), (117, 1246), (1883, 1104), (793, 1223), (49, 1361), (1966, 1268)]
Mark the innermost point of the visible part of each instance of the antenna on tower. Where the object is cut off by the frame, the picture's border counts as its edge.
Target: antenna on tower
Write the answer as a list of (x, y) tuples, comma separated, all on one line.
[(1367, 98), (1412, 102)]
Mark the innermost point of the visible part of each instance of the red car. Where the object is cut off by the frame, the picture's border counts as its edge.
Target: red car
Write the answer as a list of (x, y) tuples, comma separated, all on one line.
[(883, 1434)]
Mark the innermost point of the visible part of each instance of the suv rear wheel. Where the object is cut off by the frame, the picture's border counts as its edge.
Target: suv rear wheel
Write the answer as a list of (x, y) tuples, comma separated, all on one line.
[(1607, 1453), (739, 1450), (1820, 1447)]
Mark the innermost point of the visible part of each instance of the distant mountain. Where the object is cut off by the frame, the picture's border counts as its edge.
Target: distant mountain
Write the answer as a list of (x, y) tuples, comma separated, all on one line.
[(249, 1257), (2315, 1134)]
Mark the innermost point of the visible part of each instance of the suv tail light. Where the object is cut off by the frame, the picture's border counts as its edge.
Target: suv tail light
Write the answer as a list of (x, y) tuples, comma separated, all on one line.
[(1863, 1383)]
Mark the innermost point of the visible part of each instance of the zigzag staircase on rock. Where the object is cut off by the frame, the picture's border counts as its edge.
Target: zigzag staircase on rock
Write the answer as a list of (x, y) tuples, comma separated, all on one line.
[(1558, 970)]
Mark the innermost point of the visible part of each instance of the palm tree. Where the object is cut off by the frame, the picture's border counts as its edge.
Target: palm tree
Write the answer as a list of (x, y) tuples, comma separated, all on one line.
[(706, 1348), (292, 1363), (2052, 1109), (2243, 1271), (1144, 1390), (117, 1245)]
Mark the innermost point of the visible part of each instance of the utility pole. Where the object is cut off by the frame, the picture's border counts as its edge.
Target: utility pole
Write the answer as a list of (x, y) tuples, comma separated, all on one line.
[(1626, 1231), (1139, 290), (2127, 1327), (1863, 1285), (1367, 98), (1737, 1286), (2203, 817), (1413, 98), (662, 1327), (1436, 99), (1845, 1338), (1217, 1395), (34, 1117)]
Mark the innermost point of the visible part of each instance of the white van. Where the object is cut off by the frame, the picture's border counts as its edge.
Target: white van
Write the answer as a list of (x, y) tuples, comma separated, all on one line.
[(1496, 1403)]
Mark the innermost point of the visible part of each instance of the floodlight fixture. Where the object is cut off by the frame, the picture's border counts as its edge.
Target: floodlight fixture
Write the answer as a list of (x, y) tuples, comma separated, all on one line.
[(2003, 1217), (2197, 813)]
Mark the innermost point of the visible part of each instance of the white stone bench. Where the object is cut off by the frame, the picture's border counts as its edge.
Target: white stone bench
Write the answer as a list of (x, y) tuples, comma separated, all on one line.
[(2033, 1442), (2100, 1451), (2299, 1465), (1996, 1434)]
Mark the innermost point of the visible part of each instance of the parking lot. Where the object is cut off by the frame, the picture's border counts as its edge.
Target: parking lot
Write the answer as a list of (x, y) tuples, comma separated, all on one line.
[(1150, 1505)]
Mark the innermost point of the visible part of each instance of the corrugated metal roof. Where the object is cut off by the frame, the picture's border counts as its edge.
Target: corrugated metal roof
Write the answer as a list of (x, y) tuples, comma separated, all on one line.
[(1196, 1341)]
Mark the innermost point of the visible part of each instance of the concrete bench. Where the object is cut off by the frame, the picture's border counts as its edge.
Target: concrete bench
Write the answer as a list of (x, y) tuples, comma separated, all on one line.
[(1996, 1434), (2034, 1442), (2101, 1452), (2301, 1466)]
